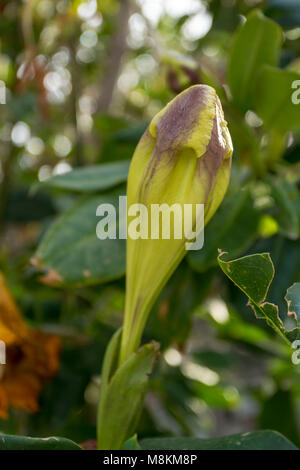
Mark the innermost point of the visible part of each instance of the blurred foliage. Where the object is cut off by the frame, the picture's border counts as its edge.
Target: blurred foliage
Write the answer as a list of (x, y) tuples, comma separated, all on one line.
[(83, 79)]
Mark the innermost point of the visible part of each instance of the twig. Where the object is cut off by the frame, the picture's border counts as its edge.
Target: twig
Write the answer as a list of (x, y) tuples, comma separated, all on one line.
[(116, 50)]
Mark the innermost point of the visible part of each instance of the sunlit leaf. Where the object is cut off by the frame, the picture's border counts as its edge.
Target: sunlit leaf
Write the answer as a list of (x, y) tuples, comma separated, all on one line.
[(274, 99), (91, 178), (257, 43)]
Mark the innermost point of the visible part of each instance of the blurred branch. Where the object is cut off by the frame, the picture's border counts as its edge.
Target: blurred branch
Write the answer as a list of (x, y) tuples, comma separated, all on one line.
[(116, 50), (76, 85), (27, 24), (7, 163)]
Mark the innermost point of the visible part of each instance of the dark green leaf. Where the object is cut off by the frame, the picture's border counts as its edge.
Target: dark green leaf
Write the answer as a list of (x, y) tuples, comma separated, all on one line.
[(132, 444), (253, 274), (234, 228), (285, 195), (293, 300), (35, 443), (285, 12), (259, 440), (172, 317), (70, 252), (23, 207), (279, 413)]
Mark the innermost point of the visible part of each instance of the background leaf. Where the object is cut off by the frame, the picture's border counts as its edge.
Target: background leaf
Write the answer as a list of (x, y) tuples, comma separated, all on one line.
[(70, 252), (285, 194), (285, 12), (237, 211), (273, 99), (92, 178), (132, 444), (34, 443), (293, 299), (256, 43), (258, 440)]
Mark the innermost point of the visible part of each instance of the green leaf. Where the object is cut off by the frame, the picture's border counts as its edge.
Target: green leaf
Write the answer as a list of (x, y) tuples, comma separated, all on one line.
[(132, 444), (273, 99), (257, 43), (253, 274), (172, 317), (258, 440), (293, 300), (70, 252), (285, 12), (279, 412), (285, 195), (131, 134), (234, 227), (122, 392), (8, 442), (92, 178)]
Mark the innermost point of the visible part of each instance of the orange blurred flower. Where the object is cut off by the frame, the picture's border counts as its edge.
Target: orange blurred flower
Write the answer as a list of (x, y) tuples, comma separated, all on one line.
[(32, 357)]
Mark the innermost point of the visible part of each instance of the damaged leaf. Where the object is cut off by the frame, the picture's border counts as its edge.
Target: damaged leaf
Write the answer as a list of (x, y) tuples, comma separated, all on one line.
[(253, 274)]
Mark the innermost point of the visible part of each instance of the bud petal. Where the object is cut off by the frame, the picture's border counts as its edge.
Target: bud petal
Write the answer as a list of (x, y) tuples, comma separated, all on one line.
[(184, 157)]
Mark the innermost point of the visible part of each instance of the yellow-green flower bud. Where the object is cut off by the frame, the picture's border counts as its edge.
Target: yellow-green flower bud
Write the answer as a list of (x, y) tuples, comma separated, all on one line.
[(184, 157)]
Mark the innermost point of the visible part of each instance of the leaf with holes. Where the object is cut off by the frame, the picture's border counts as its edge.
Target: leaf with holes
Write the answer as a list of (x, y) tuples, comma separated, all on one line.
[(293, 300), (253, 274)]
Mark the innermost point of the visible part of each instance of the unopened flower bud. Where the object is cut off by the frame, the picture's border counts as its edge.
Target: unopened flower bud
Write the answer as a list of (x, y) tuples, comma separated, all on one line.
[(184, 157)]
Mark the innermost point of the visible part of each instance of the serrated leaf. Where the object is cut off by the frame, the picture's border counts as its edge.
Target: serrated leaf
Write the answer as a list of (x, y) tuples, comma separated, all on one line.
[(70, 252), (9, 442), (91, 178), (257, 43), (258, 440), (234, 227)]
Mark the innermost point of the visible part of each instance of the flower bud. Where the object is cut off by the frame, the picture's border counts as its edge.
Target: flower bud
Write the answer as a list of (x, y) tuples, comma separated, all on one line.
[(184, 157)]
